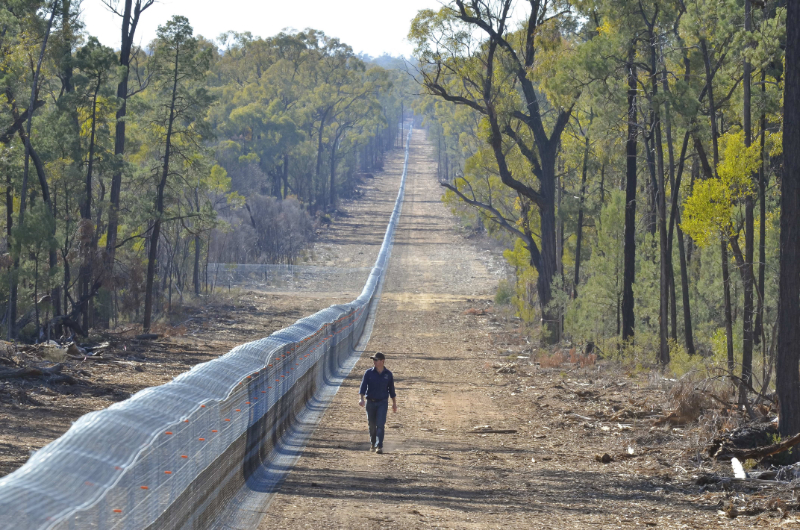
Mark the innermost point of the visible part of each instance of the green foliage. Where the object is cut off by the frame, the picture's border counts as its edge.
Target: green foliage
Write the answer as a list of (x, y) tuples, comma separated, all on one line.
[(595, 312), (526, 276), (504, 294), (586, 66), (635, 356), (709, 210), (209, 128)]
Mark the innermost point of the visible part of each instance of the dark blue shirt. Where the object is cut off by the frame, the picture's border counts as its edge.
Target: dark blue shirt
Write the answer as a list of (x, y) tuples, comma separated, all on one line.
[(377, 385)]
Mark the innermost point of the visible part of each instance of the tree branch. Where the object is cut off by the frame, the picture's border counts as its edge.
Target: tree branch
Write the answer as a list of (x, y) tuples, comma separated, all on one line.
[(498, 218), (526, 151)]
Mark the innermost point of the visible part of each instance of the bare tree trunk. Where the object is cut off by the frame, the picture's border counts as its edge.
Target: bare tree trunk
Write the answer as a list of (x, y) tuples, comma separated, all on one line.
[(673, 304), (318, 172), (285, 175), (197, 245), (36, 296), (86, 213), (674, 184), (548, 262), (661, 208), (727, 302), (14, 276), (758, 331), (788, 361), (196, 272), (675, 220), (747, 317), (9, 227), (332, 191), (629, 259), (687, 312), (651, 212), (130, 19), (156, 232), (602, 185), (580, 219), (712, 110)]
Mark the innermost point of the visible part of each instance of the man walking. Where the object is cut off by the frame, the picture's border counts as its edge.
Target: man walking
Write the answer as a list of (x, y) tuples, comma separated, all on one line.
[(377, 387)]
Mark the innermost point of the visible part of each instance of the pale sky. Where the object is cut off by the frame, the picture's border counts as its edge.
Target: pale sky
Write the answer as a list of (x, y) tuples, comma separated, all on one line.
[(371, 26)]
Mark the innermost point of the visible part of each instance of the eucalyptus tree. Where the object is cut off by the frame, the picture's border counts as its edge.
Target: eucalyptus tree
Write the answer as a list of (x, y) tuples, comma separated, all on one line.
[(259, 114), (179, 67), (788, 374), (472, 54), (724, 35), (130, 11), (359, 110), (34, 92), (334, 86), (96, 65), (255, 111)]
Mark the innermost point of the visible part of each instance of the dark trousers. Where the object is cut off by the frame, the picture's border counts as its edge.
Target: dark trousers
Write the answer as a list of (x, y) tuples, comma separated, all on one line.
[(376, 416)]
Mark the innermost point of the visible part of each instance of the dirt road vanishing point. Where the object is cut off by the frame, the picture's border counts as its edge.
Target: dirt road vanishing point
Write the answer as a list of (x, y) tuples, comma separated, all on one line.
[(437, 470)]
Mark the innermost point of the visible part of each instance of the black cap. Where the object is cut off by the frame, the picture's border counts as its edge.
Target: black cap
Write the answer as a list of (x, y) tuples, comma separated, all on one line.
[(378, 357)]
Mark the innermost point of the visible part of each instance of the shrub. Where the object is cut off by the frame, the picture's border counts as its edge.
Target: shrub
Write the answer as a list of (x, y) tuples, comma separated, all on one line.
[(505, 291)]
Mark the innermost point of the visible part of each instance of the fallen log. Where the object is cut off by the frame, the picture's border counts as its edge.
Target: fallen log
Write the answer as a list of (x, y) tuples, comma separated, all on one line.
[(494, 431), (62, 378), (95, 349), (759, 452), (82, 358), (705, 480), (31, 372), (20, 372)]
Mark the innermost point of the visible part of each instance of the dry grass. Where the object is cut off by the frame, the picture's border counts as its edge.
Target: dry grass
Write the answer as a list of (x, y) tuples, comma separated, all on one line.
[(561, 357), (166, 330), (691, 399), (53, 354)]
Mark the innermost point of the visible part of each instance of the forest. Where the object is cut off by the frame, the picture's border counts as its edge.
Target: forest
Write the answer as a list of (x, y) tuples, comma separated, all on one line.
[(127, 170), (631, 154)]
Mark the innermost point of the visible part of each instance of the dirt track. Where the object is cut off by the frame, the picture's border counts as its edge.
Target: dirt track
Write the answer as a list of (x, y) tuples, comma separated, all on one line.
[(437, 472)]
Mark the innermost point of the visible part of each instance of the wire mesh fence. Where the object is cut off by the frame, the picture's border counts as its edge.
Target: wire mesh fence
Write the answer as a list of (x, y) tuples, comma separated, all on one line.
[(287, 278), (172, 456)]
